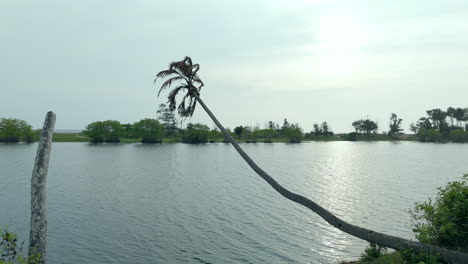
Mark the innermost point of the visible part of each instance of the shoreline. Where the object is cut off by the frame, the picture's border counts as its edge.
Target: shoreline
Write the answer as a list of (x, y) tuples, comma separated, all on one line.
[(80, 137)]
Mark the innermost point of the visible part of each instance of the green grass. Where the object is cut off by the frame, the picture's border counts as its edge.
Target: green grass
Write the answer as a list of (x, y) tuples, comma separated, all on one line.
[(391, 258), (70, 137)]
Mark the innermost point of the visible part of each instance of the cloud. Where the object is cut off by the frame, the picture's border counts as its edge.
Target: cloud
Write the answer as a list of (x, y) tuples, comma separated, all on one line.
[(100, 57)]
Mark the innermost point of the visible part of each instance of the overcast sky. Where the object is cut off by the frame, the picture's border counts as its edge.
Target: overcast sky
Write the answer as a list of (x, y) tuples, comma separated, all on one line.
[(308, 61)]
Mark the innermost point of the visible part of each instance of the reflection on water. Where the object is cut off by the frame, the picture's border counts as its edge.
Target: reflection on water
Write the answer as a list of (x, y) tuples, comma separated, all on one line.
[(171, 203)]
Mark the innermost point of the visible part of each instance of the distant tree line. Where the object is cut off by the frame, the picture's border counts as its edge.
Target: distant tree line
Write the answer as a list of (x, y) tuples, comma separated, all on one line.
[(320, 130), (291, 131), (366, 126), (16, 130), (440, 125), (150, 130), (437, 126)]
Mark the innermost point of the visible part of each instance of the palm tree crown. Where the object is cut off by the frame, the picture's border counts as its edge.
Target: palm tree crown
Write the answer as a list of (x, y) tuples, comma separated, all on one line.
[(183, 73)]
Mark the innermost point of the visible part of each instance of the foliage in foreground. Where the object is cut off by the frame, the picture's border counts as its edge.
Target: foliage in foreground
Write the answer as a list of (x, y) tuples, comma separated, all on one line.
[(406, 256), (11, 251), (444, 221), (411, 256), (373, 251)]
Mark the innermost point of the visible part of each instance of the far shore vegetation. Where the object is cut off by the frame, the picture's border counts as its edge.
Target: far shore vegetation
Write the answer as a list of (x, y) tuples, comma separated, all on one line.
[(437, 126)]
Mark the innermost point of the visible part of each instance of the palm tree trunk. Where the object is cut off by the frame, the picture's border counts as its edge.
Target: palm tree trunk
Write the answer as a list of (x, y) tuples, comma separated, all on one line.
[(363, 233)]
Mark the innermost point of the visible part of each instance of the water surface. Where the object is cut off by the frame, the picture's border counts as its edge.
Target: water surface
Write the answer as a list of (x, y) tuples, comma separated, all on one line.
[(176, 203)]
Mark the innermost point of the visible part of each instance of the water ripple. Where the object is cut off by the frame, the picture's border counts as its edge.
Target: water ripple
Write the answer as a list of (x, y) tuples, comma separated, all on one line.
[(176, 203)]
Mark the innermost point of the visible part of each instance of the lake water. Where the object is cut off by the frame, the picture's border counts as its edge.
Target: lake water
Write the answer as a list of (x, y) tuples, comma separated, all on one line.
[(178, 203)]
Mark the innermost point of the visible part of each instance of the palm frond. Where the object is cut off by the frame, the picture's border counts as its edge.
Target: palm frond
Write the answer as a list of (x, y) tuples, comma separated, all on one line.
[(196, 80), (171, 98), (180, 67), (187, 61), (188, 67), (164, 74), (168, 82), (195, 69), (187, 110)]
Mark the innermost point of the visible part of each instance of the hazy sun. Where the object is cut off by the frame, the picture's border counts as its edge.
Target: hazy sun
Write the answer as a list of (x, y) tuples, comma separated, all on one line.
[(338, 47), (339, 31)]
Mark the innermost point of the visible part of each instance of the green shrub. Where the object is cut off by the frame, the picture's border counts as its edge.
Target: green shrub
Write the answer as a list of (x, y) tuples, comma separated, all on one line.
[(151, 140), (431, 135), (350, 136), (214, 134), (11, 251), (444, 222), (411, 256), (295, 140), (150, 130), (104, 131), (15, 130), (196, 133), (267, 134), (372, 251), (294, 134), (458, 135)]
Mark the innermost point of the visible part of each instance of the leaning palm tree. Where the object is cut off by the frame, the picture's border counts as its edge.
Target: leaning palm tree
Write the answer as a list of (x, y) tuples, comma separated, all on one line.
[(183, 74)]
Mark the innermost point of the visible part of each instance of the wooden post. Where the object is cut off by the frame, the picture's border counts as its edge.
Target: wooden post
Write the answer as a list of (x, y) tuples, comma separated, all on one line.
[(38, 232)]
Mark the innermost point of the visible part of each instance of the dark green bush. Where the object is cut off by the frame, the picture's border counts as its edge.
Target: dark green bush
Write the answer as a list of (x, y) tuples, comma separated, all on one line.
[(294, 134), (150, 130), (372, 251), (104, 131), (350, 136), (151, 140), (444, 221), (411, 256), (113, 139), (431, 135), (15, 130), (458, 135), (196, 133), (295, 140)]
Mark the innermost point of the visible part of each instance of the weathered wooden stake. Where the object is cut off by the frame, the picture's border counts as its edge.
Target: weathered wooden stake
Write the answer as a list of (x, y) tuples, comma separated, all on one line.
[(37, 236)]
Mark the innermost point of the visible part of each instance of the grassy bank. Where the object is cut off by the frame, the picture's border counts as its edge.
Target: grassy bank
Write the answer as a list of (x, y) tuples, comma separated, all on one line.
[(80, 137), (391, 258), (70, 137)]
